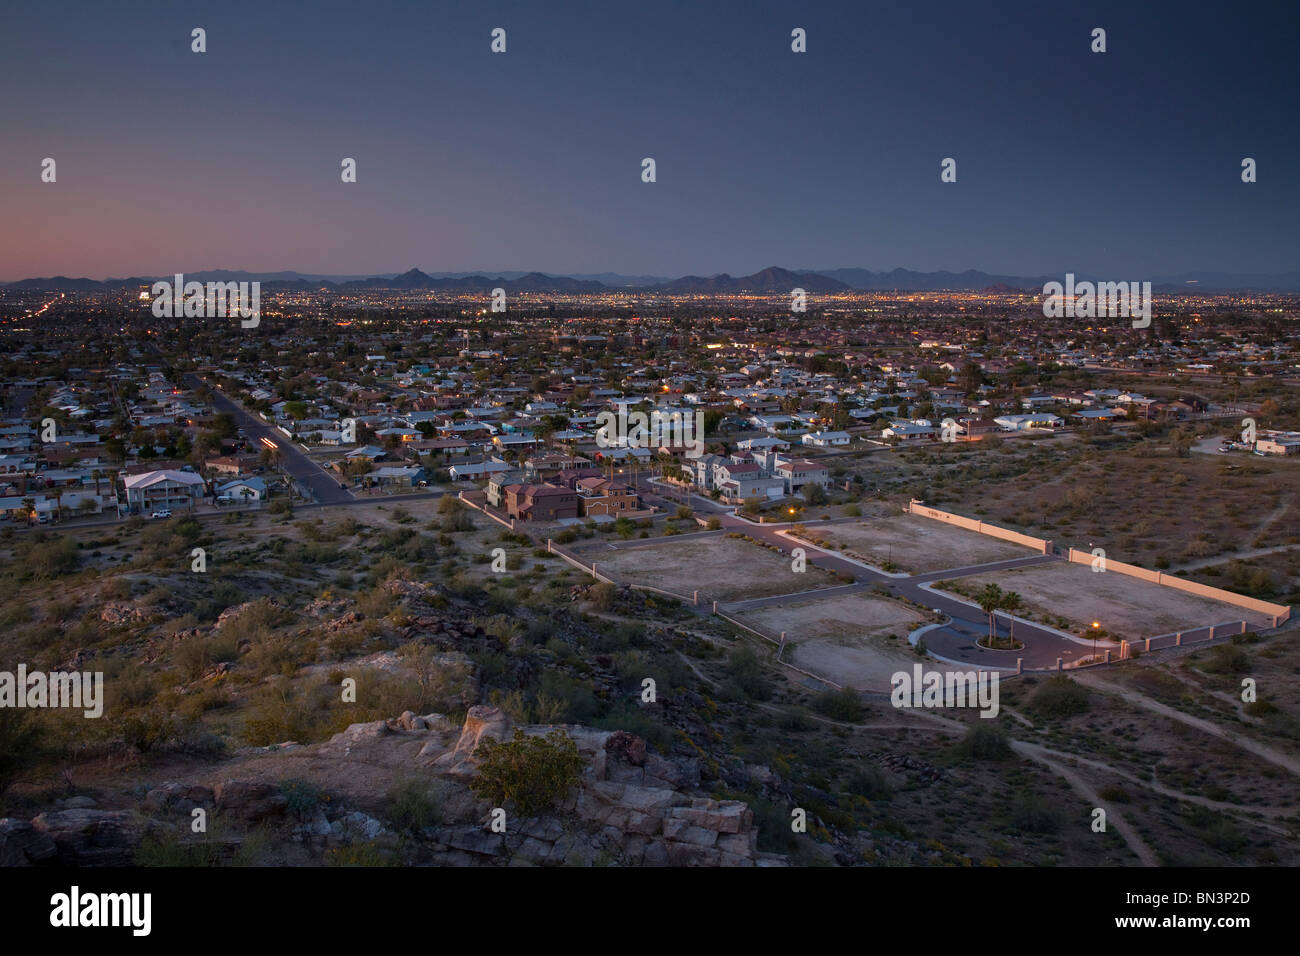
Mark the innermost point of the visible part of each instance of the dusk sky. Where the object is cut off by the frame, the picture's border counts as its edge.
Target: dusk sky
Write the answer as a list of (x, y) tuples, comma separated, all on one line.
[(1125, 164)]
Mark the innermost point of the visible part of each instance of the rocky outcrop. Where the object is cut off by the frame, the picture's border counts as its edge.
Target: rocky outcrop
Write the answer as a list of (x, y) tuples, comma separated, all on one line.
[(632, 807), (480, 722), (87, 837), (21, 844), (119, 615)]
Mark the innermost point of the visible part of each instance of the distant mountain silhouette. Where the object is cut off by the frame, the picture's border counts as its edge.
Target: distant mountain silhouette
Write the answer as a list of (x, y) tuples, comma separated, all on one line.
[(773, 280), (770, 280)]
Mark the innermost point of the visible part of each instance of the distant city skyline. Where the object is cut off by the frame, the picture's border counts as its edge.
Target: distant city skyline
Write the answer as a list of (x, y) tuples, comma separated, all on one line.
[(1124, 164)]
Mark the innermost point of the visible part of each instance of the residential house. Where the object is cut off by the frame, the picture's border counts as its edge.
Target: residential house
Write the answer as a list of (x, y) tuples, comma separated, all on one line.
[(164, 490), (541, 502), (600, 496), (826, 439)]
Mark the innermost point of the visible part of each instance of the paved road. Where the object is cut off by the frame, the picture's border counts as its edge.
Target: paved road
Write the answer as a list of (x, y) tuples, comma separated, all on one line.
[(323, 486)]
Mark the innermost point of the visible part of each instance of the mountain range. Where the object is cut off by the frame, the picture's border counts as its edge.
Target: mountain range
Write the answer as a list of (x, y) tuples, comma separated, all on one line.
[(772, 280)]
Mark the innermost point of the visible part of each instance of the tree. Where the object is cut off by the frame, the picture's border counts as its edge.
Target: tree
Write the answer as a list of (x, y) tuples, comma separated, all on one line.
[(531, 772), (1011, 603), (29, 509), (989, 600), (224, 425), (115, 448)]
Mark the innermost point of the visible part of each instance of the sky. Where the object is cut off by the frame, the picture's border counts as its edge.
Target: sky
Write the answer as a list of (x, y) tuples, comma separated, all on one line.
[(1125, 164)]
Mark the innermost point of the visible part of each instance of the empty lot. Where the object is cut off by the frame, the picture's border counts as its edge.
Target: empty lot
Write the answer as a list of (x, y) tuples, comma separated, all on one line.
[(917, 544), (844, 639), (1125, 606), (721, 568)]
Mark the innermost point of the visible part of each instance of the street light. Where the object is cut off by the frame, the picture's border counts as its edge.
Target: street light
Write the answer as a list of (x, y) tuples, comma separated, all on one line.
[(1096, 625)]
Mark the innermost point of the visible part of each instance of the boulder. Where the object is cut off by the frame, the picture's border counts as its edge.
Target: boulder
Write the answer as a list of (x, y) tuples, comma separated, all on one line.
[(481, 722), (86, 837), (626, 747), (21, 844), (249, 801), (358, 734)]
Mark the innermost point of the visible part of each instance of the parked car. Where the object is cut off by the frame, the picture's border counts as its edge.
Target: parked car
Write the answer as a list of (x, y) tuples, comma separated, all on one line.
[(161, 514)]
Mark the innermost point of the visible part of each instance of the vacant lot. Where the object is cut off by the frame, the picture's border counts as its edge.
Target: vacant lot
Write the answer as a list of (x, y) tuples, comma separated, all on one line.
[(857, 639), (1070, 596), (917, 544), (720, 568)]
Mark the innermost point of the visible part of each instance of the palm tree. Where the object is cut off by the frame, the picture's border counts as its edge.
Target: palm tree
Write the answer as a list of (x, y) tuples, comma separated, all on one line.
[(98, 476), (29, 508), (989, 600), (1011, 603)]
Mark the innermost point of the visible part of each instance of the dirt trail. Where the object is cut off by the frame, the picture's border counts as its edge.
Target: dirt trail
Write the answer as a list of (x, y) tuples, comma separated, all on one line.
[(1085, 790), (1285, 761)]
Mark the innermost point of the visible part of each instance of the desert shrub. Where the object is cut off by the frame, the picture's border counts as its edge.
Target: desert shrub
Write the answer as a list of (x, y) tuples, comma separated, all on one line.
[(581, 705), (773, 825), (844, 704), (44, 558), (1059, 696), (304, 798), (983, 742), (359, 854), (147, 730), (532, 773), (164, 847), (603, 595), (1216, 829), (1031, 814), (410, 804), (20, 737), (867, 781), (196, 654), (746, 680), (633, 719), (1226, 659), (455, 520)]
